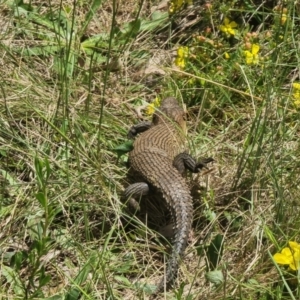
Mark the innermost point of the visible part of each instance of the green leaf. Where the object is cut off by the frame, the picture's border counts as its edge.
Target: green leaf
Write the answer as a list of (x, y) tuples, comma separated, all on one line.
[(51, 25), (133, 28), (39, 50), (130, 30), (8, 177), (210, 215), (48, 169), (13, 278), (214, 251), (123, 280), (159, 16), (63, 67), (6, 210), (145, 287), (17, 259), (43, 280), (54, 297), (41, 198), (86, 269), (216, 277), (38, 164), (158, 19), (20, 8), (123, 148), (97, 42), (97, 58), (3, 153), (88, 17), (253, 281), (73, 294)]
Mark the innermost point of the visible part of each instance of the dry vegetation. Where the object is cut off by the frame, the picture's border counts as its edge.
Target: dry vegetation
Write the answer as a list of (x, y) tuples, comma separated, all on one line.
[(70, 83)]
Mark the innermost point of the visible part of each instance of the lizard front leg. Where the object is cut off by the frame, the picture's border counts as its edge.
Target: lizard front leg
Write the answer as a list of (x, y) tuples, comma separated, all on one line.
[(185, 161), (135, 190), (138, 128)]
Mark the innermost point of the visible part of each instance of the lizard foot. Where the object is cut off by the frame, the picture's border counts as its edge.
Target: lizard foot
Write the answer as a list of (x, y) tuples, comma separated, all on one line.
[(135, 190), (185, 161)]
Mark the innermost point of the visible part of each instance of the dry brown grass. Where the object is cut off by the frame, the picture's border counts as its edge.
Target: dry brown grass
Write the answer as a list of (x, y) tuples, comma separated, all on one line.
[(83, 239)]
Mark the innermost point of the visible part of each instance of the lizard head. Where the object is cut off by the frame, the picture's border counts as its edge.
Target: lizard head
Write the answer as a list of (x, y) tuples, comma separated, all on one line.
[(170, 110)]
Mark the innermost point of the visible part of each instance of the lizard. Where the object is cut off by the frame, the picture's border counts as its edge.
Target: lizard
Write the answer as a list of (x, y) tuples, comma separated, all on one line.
[(159, 162)]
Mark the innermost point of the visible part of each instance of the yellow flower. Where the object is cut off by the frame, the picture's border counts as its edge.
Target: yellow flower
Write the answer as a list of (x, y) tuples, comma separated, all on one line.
[(226, 55), (152, 106), (175, 5), (283, 19), (296, 86), (289, 256), (182, 54), (182, 51), (228, 27), (296, 94), (252, 57), (180, 62)]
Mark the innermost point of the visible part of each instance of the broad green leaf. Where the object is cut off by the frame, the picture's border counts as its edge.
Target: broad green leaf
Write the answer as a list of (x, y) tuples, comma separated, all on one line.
[(48, 169), (97, 57), (214, 251), (123, 148), (3, 153), (39, 171), (73, 294), (40, 50), (20, 8), (17, 259), (43, 277), (159, 19), (123, 280), (97, 42), (13, 278), (216, 277), (5, 210), (41, 198), (88, 17), (87, 268), (130, 30), (51, 25), (147, 288), (54, 297), (8, 177), (64, 68)]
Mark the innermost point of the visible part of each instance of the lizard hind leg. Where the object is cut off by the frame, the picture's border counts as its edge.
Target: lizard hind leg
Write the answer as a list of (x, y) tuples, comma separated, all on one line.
[(135, 191), (185, 161)]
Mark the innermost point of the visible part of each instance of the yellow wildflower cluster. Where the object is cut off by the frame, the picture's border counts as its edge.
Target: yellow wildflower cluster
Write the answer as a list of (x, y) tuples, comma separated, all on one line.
[(182, 54), (289, 256), (176, 5), (252, 57), (226, 55), (283, 13), (296, 94), (152, 106), (283, 18), (228, 27)]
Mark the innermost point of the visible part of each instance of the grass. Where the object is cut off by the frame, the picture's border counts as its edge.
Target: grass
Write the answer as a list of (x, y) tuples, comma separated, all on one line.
[(72, 75)]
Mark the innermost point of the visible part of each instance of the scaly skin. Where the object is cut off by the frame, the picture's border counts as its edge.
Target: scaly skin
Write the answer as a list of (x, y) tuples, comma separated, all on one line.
[(159, 161)]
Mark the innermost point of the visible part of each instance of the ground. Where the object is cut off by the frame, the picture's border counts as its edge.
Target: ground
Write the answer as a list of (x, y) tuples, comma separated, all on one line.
[(74, 75)]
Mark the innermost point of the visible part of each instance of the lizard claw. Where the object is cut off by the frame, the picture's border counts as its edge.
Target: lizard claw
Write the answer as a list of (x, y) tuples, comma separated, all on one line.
[(203, 163), (138, 128)]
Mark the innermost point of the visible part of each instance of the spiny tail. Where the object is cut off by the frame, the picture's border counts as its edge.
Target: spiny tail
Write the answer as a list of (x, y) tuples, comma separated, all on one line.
[(157, 169), (176, 193)]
